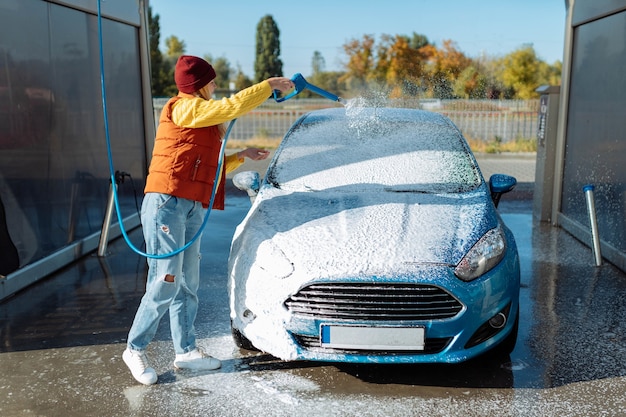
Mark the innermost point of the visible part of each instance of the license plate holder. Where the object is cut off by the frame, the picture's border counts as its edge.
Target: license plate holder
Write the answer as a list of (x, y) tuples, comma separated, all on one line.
[(341, 336)]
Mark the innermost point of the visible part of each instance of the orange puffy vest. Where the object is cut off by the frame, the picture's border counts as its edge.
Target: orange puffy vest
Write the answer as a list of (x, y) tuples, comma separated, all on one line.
[(184, 161)]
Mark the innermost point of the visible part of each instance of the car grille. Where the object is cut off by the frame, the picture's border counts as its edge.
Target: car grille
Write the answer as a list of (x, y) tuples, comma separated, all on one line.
[(367, 301)]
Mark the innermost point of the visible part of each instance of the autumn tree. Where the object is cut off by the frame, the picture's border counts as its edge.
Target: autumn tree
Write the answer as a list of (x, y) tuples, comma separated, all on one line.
[(471, 84), (521, 71), (489, 69), (550, 74), (410, 65), (418, 41), (445, 64), (267, 62), (361, 61), (407, 66), (399, 65)]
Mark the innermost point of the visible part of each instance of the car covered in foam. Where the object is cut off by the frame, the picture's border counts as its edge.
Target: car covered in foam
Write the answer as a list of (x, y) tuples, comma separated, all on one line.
[(374, 238)]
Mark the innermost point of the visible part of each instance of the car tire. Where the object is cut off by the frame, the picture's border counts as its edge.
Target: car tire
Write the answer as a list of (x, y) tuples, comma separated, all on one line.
[(241, 341)]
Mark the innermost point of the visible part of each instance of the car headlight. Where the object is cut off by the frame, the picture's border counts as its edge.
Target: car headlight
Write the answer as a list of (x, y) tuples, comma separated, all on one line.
[(483, 256), (272, 261)]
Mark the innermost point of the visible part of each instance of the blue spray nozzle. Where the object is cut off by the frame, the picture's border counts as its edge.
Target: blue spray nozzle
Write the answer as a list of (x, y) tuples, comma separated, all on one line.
[(300, 85)]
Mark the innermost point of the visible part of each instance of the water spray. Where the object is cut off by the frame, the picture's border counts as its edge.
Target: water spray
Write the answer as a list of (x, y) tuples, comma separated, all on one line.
[(301, 84)]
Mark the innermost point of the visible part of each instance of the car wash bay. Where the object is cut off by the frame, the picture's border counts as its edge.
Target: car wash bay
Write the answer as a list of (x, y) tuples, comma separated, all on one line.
[(62, 340)]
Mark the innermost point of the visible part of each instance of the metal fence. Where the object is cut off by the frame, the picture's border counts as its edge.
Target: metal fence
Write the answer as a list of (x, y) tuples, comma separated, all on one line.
[(486, 120)]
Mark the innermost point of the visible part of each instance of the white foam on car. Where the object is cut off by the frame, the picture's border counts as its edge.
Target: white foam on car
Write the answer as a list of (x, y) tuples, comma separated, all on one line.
[(338, 211)]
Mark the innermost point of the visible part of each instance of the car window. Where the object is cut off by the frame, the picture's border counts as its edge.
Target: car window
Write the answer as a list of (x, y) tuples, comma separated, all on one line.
[(358, 154)]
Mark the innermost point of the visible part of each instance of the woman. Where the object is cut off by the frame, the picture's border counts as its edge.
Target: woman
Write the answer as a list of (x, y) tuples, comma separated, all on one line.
[(177, 194)]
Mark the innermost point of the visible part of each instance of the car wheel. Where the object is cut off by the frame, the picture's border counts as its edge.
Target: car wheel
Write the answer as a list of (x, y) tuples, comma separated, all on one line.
[(241, 341)]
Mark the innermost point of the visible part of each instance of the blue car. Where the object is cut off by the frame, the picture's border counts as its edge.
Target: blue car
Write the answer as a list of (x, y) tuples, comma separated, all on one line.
[(374, 238)]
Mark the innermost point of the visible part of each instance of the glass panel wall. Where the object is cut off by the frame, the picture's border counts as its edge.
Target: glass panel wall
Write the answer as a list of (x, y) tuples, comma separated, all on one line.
[(596, 143), (54, 169), (592, 9)]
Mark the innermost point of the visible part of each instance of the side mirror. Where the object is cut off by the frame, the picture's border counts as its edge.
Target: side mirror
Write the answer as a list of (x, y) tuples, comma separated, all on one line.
[(500, 184), (248, 181)]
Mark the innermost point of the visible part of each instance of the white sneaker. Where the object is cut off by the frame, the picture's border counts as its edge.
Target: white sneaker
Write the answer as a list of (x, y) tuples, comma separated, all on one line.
[(137, 362), (196, 360)]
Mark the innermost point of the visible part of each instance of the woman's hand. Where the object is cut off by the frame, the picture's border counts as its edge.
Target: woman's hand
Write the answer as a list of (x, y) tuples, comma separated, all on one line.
[(256, 154), (281, 84)]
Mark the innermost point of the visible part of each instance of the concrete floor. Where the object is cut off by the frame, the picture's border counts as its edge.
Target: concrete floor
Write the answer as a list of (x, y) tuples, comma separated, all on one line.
[(62, 339)]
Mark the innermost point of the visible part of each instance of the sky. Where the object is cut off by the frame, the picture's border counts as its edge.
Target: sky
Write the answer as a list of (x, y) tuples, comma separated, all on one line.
[(489, 28)]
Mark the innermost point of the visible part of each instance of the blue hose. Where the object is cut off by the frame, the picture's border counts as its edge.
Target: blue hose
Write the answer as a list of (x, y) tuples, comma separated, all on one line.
[(112, 170)]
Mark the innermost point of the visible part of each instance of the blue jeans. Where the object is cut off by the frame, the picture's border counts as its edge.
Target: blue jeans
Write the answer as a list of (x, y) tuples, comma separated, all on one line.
[(168, 224)]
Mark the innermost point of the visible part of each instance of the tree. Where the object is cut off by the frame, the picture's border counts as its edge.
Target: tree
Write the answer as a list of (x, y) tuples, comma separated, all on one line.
[(418, 41), (489, 69), (223, 71), (396, 63), (444, 67), (471, 84), (159, 70), (242, 80), (317, 76), (267, 62), (318, 64), (175, 47), (328, 81), (550, 74), (361, 63), (399, 65), (521, 72)]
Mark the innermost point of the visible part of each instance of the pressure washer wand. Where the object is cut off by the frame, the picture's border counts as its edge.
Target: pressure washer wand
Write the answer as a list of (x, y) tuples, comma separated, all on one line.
[(300, 85), (322, 93)]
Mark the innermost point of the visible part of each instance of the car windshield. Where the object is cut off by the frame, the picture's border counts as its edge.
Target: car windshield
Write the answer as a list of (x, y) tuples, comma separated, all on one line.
[(393, 150)]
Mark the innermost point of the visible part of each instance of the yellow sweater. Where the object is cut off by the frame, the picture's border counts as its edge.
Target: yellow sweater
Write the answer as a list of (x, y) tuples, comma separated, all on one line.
[(194, 112), (187, 144)]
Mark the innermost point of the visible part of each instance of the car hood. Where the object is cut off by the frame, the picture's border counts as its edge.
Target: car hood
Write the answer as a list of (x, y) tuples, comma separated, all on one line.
[(338, 234)]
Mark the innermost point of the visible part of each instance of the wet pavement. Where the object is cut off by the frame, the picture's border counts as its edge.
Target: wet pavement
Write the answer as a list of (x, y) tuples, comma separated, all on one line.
[(62, 339)]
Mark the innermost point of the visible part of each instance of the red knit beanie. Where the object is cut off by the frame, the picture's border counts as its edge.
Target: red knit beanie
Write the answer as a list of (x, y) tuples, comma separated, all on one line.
[(192, 73)]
